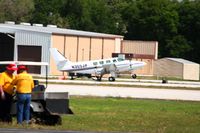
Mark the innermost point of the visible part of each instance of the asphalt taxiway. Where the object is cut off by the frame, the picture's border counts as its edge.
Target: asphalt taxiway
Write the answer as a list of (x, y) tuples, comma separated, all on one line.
[(144, 91), (130, 82)]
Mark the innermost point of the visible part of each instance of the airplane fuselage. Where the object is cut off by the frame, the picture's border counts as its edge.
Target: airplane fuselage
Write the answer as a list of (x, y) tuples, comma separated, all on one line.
[(98, 67)]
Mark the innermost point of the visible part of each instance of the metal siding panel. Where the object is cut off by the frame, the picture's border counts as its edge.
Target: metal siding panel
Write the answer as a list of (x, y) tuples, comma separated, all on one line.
[(84, 49), (108, 48), (118, 44), (165, 67), (96, 48), (35, 39), (139, 47), (191, 72), (71, 48), (57, 42)]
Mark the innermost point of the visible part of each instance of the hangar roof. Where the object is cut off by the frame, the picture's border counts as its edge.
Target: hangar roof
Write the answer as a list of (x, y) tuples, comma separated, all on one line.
[(180, 60), (12, 28)]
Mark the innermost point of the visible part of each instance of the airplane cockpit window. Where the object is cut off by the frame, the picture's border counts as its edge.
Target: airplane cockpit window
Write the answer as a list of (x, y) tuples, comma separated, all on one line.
[(120, 59), (95, 63), (101, 62), (114, 60), (108, 61)]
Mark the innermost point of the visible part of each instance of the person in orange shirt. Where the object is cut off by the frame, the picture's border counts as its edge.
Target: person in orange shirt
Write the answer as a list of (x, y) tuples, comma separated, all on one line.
[(24, 85), (6, 92)]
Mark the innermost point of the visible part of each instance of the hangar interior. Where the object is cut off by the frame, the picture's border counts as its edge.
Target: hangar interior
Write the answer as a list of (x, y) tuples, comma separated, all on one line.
[(30, 53), (6, 48)]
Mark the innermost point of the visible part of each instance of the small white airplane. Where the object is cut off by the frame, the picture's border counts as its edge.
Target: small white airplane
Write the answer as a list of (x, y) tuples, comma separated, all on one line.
[(97, 68)]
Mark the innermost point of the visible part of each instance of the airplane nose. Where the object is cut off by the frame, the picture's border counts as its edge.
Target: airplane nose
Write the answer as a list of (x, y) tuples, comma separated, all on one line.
[(144, 63)]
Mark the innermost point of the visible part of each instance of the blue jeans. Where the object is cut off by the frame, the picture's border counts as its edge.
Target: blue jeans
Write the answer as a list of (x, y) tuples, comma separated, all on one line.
[(23, 108)]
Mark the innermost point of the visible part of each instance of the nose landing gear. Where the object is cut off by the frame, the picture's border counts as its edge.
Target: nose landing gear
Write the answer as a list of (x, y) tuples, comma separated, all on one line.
[(134, 76), (111, 78)]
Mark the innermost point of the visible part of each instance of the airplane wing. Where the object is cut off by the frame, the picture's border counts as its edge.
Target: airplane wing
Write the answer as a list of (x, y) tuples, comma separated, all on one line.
[(111, 68)]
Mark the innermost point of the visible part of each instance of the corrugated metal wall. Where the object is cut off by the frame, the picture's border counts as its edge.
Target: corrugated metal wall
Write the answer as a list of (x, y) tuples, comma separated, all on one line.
[(79, 48), (34, 39), (84, 49), (96, 48), (191, 71), (71, 47), (57, 42), (140, 47), (165, 67), (108, 48), (146, 51)]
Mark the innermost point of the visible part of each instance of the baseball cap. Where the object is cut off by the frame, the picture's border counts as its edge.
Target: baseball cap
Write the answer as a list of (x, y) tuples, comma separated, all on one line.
[(22, 67), (12, 67)]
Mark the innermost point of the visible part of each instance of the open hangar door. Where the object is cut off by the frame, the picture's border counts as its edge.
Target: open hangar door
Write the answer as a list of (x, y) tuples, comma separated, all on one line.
[(6, 48), (30, 53)]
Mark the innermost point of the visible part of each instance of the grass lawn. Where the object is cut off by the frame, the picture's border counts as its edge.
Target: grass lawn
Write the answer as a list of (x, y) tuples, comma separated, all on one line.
[(129, 115)]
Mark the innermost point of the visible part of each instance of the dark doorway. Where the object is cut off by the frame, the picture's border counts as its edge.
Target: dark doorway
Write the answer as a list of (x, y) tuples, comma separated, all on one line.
[(30, 53), (6, 48)]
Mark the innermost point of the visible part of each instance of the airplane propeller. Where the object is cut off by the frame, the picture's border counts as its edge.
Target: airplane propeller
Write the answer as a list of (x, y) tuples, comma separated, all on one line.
[(130, 64)]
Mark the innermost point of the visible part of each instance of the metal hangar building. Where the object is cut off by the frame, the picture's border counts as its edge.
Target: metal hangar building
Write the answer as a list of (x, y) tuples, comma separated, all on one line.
[(26, 42)]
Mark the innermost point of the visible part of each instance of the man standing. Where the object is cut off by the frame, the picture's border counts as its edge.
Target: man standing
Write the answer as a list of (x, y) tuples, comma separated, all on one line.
[(24, 85), (6, 91)]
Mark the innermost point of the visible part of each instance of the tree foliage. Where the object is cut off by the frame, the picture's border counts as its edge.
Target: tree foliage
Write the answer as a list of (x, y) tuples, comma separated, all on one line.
[(174, 24), (48, 12), (16, 10), (189, 27)]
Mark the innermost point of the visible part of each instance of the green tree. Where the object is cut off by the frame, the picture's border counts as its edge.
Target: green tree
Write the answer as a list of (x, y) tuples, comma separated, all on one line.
[(119, 26), (178, 46), (152, 20), (174, 24), (91, 15), (48, 12), (189, 12), (16, 10)]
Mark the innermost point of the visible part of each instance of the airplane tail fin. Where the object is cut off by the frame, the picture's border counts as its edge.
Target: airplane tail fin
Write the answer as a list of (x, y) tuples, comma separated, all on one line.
[(60, 60)]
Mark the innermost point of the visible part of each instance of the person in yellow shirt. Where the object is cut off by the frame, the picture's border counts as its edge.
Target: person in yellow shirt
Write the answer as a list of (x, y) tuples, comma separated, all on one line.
[(6, 92), (24, 85)]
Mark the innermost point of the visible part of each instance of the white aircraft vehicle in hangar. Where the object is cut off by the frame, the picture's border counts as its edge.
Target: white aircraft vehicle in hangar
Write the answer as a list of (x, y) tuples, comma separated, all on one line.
[(95, 68)]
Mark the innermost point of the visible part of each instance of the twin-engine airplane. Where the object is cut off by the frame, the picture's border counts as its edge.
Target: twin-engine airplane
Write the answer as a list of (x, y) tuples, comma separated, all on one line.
[(95, 68)]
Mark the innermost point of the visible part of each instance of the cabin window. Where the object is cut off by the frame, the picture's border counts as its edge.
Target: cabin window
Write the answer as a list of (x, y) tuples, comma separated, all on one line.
[(95, 63), (120, 59), (108, 61), (101, 62), (114, 60)]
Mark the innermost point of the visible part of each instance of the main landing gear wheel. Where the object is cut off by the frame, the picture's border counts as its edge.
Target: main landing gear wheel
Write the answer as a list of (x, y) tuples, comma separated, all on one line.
[(134, 76), (111, 79), (98, 78), (72, 78)]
